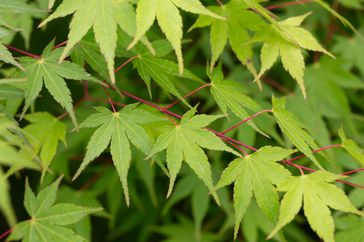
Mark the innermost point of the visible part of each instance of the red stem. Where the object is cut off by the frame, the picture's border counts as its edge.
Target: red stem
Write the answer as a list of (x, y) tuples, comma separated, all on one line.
[(109, 99), (6, 233), (126, 62), (234, 145), (352, 171), (60, 45), (315, 151), (188, 95), (286, 4), (22, 52), (246, 120)]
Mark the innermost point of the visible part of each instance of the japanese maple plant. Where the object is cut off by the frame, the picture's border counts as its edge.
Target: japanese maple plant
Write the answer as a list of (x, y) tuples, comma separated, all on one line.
[(181, 120)]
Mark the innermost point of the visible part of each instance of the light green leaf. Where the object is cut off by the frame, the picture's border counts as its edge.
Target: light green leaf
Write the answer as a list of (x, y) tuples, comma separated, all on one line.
[(5, 201), (97, 14), (44, 132), (47, 219), (317, 195), (47, 70), (162, 71), (286, 39), (254, 174), (6, 57), (169, 20), (187, 138), (352, 148), (64, 214), (120, 128), (229, 95), (293, 129), (239, 20), (121, 155), (17, 6)]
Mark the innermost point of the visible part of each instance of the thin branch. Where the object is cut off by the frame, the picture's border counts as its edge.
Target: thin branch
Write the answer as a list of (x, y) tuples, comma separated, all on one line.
[(6, 233), (351, 184), (236, 146), (23, 52), (352, 171), (315, 151), (246, 120), (219, 2), (60, 45), (109, 99), (188, 95), (126, 62)]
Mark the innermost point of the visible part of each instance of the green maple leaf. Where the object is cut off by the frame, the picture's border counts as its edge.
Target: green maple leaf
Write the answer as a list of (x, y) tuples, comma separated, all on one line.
[(120, 128), (229, 95), (5, 201), (294, 129), (161, 70), (352, 148), (17, 6), (317, 195), (47, 220), (239, 21), (104, 17), (256, 173), (169, 19), (184, 142), (47, 70), (290, 50), (44, 133), (14, 150), (6, 57)]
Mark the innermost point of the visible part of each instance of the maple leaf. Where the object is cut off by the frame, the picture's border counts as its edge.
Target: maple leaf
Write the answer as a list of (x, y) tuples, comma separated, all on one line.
[(184, 142), (104, 17), (229, 95), (5, 201), (239, 21), (120, 128), (352, 148), (290, 49), (294, 129), (47, 220), (256, 173), (161, 70), (44, 132), (17, 6), (317, 195), (169, 19), (6, 57), (46, 70), (14, 149)]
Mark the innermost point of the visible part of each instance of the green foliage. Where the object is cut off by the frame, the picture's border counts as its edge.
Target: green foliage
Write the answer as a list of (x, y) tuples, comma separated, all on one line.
[(256, 173), (47, 220), (184, 141), (317, 195), (46, 70), (119, 127), (179, 99)]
